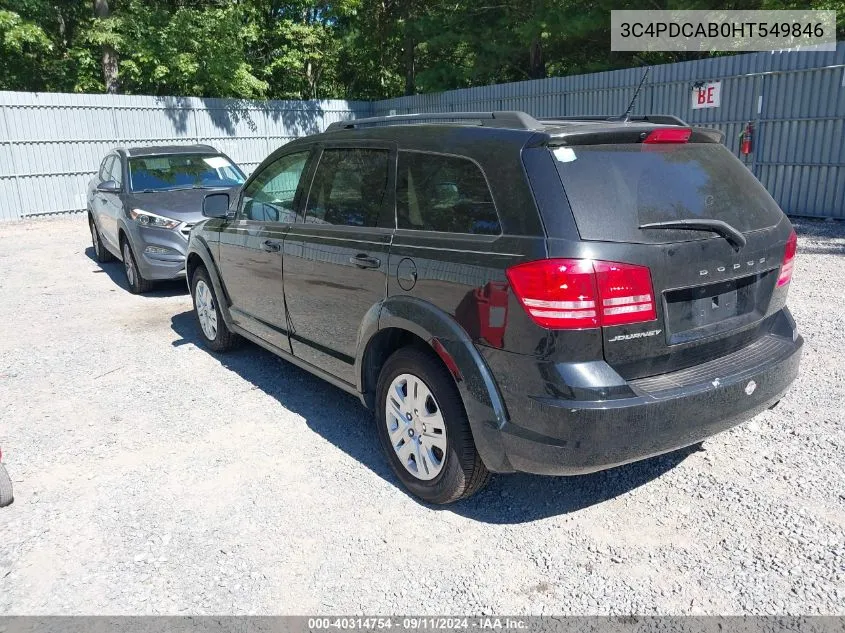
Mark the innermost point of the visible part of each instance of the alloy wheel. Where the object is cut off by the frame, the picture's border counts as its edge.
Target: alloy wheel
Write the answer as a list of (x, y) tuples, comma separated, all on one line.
[(95, 239), (206, 310), (415, 426), (129, 264)]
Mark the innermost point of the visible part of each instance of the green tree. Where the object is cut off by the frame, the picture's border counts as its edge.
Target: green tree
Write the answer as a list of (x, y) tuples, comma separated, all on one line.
[(304, 49)]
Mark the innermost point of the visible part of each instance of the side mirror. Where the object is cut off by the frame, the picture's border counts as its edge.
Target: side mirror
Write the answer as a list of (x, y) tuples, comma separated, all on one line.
[(215, 205), (108, 186)]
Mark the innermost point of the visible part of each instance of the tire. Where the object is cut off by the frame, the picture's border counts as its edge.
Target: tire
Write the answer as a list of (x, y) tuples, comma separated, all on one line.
[(212, 328), (137, 284), (6, 496), (101, 253), (427, 470)]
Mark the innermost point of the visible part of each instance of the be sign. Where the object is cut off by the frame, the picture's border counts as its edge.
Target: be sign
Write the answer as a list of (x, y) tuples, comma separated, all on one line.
[(707, 96)]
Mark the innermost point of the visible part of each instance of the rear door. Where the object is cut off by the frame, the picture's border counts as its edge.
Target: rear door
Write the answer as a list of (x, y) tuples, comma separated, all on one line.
[(251, 247), (449, 249), (336, 260), (712, 293)]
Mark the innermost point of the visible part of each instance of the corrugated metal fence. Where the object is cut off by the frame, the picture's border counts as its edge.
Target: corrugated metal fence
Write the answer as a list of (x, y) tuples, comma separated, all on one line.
[(796, 101), (51, 144)]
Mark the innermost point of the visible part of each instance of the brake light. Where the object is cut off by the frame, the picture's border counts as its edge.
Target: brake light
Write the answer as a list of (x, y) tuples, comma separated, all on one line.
[(788, 259), (669, 135), (625, 292), (582, 293)]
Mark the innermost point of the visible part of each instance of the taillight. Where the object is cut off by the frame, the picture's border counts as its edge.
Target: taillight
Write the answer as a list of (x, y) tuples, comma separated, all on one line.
[(557, 293), (668, 135), (788, 259), (582, 293), (626, 293)]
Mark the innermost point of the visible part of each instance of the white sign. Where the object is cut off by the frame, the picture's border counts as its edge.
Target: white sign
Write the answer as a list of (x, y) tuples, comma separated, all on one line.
[(707, 96)]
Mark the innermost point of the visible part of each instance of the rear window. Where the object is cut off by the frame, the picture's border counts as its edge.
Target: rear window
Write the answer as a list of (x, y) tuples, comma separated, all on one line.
[(613, 189)]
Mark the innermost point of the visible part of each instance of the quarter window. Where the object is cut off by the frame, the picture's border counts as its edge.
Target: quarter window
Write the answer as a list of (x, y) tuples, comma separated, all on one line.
[(271, 196), (444, 193), (349, 187)]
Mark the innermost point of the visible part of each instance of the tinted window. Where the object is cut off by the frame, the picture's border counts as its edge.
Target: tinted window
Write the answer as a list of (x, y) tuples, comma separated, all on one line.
[(349, 187), (613, 189), (182, 171), (443, 193), (271, 195)]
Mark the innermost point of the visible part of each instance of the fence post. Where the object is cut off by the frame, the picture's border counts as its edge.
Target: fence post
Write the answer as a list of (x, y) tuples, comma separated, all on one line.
[(196, 125), (759, 96), (266, 113), (115, 135), (15, 176)]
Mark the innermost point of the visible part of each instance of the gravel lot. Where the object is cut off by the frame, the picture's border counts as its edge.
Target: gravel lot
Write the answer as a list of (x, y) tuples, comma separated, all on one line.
[(154, 477)]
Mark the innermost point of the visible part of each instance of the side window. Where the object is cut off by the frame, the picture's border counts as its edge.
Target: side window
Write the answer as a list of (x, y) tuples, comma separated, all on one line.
[(272, 195), (349, 187), (116, 171), (105, 167), (443, 193)]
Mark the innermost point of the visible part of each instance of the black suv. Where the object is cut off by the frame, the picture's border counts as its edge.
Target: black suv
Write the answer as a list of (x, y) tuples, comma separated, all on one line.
[(507, 294)]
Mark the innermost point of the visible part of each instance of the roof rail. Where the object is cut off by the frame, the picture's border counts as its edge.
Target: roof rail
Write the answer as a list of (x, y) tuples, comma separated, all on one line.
[(663, 119), (504, 119)]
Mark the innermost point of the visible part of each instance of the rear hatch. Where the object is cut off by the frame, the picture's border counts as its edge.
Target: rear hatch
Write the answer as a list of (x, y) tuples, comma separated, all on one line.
[(710, 235)]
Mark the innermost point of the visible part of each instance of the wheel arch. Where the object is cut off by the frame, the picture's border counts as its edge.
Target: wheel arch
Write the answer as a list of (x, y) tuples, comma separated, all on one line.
[(200, 255), (124, 235), (401, 321), (192, 262)]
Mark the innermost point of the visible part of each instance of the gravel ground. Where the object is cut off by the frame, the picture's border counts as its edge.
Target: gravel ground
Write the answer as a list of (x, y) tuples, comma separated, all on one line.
[(154, 477)]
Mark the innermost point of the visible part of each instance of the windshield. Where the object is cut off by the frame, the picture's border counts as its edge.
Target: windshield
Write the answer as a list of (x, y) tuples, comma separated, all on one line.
[(614, 189), (182, 171)]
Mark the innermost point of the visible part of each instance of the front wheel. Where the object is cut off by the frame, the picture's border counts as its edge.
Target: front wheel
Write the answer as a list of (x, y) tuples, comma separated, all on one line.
[(424, 430), (215, 334), (137, 284)]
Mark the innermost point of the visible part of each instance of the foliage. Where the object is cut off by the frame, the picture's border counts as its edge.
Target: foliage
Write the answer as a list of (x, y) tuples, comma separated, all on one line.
[(292, 49)]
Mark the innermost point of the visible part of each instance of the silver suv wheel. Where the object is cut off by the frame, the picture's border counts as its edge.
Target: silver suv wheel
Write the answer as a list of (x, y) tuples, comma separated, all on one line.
[(95, 239), (129, 264), (206, 311), (415, 427)]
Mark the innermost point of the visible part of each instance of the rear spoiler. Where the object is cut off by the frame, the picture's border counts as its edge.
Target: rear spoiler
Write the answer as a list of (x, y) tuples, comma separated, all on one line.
[(658, 119), (622, 134)]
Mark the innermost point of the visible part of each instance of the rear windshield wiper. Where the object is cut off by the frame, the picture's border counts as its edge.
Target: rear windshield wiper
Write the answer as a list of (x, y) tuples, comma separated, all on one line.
[(734, 236)]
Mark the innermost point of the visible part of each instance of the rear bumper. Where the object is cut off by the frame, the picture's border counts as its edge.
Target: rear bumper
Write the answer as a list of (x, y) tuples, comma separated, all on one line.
[(559, 436)]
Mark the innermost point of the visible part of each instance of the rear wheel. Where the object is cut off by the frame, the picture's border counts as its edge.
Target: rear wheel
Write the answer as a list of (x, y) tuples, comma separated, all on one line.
[(215, 334), (137, 284), (101, 253), (424, 430)]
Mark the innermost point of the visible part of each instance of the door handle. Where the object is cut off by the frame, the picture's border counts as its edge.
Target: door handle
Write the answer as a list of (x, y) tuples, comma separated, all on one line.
[(272, 246), (362, 260)]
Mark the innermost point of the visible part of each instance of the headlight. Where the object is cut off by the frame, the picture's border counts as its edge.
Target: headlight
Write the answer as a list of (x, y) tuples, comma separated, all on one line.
[(145, 218)]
